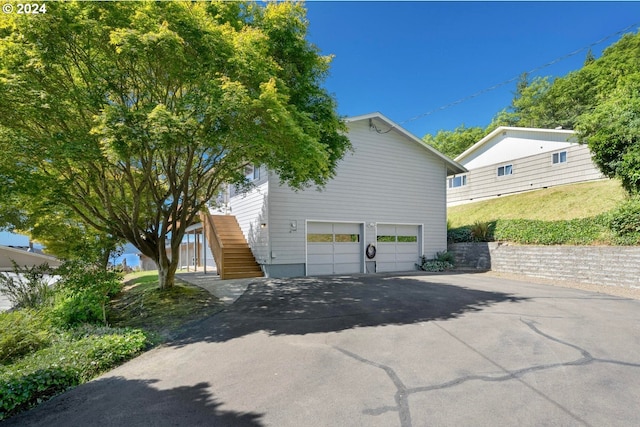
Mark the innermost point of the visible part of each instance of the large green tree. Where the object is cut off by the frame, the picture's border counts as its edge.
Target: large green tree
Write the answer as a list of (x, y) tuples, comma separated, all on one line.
[(132, 114), (453, 143), (612, 131)]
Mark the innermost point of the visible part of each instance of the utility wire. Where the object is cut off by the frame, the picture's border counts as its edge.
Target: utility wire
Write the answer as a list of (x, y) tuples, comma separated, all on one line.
[(511, 80)]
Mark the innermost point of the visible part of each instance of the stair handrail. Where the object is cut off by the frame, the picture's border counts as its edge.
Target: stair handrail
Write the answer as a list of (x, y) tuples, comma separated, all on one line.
[(213, 237)]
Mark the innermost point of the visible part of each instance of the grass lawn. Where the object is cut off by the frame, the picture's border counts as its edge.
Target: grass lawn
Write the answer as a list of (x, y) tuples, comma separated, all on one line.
[(557, 203), (161, 314)]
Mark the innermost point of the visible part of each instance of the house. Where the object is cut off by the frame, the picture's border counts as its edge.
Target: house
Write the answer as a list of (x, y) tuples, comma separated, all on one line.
[(511, 160), (385, 207), (24, 257)]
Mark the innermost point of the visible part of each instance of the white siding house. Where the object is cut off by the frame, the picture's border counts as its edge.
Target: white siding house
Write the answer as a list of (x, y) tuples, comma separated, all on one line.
[(389, 194), (511, 160)]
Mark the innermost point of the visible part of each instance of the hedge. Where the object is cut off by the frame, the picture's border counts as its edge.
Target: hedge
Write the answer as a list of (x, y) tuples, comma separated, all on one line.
[(66, 363)]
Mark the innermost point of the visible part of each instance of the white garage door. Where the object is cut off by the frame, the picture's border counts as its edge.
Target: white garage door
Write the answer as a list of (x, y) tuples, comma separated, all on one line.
[(397, 247), (333, 248)]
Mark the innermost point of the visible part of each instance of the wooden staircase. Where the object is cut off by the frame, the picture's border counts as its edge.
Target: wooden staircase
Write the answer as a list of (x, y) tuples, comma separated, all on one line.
[(231, 251)]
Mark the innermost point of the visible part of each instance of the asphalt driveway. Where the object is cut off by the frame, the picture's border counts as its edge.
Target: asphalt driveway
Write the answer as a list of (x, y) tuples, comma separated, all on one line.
[(412, 350)]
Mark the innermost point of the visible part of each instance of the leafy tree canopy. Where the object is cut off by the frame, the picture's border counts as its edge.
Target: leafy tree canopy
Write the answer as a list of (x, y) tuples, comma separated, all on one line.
[(453, 143), (132, 114)]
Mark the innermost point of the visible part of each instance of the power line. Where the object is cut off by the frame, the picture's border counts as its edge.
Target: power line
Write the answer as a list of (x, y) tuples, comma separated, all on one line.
[(513, 79)]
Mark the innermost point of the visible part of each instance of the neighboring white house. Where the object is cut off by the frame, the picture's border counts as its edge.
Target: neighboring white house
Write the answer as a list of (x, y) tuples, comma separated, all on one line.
[(23, 258), (511, 160), (388, 195)]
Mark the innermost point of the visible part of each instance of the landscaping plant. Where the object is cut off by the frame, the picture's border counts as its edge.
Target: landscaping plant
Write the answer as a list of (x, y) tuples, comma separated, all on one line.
[(28, 287)]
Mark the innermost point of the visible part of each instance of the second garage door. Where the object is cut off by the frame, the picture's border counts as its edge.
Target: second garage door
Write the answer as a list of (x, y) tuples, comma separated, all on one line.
[(397, 247), (334, 248)]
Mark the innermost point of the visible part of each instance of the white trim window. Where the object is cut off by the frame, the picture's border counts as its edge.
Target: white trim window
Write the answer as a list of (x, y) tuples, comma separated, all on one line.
[(505, 170), (458, 181), (251, 172), (560, 157)]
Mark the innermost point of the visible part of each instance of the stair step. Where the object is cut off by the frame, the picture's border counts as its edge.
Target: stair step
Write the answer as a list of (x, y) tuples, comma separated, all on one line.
[(242, 275), (242, 268)]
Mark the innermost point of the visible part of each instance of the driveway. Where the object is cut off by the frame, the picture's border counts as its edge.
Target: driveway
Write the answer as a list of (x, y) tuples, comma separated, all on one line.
[(381, 350)]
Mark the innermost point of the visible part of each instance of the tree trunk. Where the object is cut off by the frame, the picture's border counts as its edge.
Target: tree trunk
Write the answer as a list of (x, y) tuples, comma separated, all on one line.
[(166, 268), (166, 274)]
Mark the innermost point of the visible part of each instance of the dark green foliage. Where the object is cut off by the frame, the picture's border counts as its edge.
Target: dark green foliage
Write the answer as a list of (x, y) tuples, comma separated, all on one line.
[(83, 291), (460, 234), (23, 332), (612, 131), (30, 288), (453, 143), (67, 363), (443, 261), (581, 231), (624, 222)]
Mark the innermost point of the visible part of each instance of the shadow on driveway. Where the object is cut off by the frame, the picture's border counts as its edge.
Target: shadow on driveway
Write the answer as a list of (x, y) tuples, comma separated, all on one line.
[(118, 401), (330, 304)]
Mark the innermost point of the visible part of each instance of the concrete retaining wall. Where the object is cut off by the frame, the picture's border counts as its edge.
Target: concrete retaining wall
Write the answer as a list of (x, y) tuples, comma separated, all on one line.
[(601, 265)]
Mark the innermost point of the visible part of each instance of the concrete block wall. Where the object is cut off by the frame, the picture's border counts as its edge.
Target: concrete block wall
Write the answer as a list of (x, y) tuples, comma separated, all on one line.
[(601, 265)]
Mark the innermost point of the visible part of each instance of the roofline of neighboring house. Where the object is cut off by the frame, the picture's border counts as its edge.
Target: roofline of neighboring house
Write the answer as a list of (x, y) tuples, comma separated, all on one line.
[(500, 129), (7, 251), (452, 166)]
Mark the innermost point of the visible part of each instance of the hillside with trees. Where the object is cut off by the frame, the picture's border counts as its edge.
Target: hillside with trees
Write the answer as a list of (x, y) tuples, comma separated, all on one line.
[(600, 101)]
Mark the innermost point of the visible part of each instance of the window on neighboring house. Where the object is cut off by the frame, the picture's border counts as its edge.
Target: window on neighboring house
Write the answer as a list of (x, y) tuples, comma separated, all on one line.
[(560, 157), (251, 172), (505, 170), (457, 181)]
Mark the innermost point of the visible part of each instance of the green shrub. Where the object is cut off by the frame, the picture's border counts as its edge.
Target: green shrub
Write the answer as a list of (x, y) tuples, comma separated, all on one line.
[(23, 332), (65, 364), (84, 291), (443, 261), (30, 288), (624, 222), (460, 234), (482, 231), (581, 231)]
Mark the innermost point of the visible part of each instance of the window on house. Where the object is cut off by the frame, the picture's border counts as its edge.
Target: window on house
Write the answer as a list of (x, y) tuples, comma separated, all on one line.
[(505, 170), (560, 157), (457, 181), (251, 172)]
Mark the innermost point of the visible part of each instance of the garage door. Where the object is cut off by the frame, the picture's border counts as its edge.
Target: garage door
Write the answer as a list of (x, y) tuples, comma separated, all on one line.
[(333, 248), (397, 247)]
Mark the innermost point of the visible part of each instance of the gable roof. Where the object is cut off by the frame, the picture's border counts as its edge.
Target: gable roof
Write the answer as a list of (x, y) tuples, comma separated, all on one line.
[(452, 166), (502, 129)]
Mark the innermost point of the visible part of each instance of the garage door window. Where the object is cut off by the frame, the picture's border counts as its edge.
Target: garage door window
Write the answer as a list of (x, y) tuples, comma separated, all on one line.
[(319, 238), (398, 239), (347, 238)]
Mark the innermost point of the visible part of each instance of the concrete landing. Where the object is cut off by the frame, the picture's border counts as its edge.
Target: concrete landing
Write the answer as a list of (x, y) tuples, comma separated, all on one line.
[(228, 291)]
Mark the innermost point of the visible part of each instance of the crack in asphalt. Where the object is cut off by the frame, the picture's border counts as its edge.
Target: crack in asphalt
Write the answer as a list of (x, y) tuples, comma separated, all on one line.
[(403, 392)]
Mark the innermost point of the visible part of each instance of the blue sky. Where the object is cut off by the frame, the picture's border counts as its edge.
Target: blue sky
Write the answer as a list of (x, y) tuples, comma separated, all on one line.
[(405, 59), (408, 58)]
